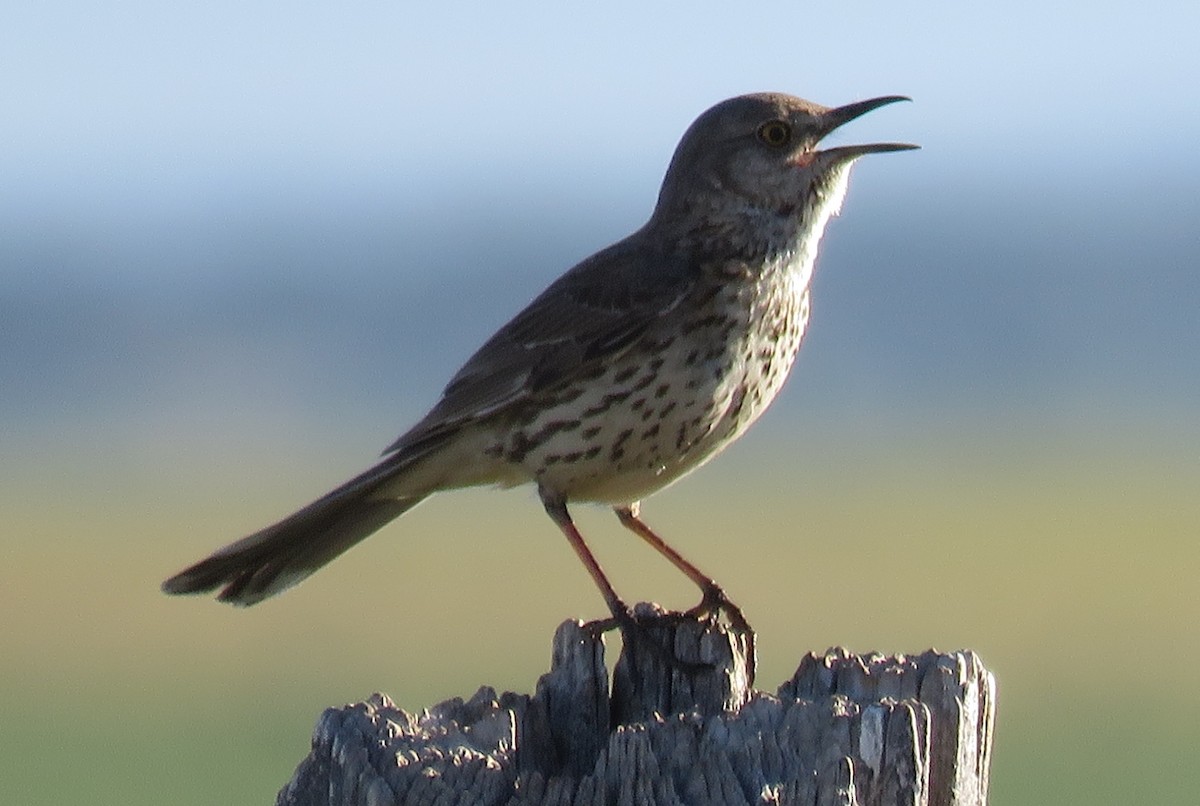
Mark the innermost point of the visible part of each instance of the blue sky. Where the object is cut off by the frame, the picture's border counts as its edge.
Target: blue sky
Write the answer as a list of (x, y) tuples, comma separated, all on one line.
[(142, 98), (186, 184)]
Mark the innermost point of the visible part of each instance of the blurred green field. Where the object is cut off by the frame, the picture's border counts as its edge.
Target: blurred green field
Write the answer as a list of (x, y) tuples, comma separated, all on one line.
[(1067, 559)]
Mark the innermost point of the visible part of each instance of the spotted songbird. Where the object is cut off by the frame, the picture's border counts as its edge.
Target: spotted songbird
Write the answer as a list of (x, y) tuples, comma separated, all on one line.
[(631, 370)]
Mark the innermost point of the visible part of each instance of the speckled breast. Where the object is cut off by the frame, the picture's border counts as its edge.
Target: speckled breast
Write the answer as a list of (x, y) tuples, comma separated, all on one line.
[(673, 400)]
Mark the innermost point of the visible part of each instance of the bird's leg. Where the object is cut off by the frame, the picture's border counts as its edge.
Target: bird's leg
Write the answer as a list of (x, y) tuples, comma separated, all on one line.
[(556, 508), (622, 616), (714, 600)]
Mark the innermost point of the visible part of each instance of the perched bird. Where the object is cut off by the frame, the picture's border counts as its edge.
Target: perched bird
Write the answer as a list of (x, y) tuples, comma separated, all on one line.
[(632, 369)]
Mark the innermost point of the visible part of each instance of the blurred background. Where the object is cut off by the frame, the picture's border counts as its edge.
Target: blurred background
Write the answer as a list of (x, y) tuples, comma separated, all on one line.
[(242, 247)]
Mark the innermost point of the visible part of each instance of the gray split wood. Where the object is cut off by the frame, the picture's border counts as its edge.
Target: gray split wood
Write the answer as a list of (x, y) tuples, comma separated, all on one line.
[(868, 730)]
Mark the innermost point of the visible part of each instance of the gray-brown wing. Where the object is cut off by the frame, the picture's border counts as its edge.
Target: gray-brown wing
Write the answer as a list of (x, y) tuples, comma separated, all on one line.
[(594, 311)]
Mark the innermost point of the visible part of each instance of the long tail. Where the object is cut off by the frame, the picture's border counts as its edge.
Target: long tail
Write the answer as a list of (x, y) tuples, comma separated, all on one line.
[(278, 557)]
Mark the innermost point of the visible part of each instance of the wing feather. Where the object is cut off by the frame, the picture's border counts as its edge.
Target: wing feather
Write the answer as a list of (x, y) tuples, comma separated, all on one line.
[(593, 312)]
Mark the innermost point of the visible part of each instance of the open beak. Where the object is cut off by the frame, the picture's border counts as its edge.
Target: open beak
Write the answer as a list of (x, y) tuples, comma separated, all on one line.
[(839, 116)]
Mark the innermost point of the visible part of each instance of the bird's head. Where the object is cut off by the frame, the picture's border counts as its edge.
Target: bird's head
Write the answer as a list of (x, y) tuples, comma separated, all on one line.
[(759, 154)]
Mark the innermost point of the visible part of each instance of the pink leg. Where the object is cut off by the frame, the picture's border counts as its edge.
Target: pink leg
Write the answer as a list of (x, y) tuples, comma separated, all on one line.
[(714, 598), (556, 508)]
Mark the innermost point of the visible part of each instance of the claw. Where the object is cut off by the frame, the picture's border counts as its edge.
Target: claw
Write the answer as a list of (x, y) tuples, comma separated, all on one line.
[(712, 604), (715, 602), (599, 626)]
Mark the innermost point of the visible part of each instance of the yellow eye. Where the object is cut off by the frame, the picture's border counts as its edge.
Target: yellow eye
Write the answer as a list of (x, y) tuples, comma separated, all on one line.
[(775, 133)]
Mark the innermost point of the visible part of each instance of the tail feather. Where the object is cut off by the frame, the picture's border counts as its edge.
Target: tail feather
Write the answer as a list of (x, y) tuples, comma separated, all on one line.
[(280, 556)]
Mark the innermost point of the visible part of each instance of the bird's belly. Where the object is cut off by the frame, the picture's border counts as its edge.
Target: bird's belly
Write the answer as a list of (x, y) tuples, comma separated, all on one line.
[(656, 415)]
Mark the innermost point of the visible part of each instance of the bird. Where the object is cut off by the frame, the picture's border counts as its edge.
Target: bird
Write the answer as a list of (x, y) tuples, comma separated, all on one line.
[(635, 367)]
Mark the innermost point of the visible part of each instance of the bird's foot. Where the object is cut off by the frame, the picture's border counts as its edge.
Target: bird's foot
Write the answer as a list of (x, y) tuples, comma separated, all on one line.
[(715, 602)]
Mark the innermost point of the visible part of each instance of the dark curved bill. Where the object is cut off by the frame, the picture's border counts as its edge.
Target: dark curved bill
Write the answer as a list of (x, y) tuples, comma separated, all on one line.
[(841, 115), (853, 152)]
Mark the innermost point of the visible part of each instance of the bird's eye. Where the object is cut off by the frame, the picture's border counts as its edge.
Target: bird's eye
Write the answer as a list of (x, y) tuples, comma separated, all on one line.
[(775, 133)]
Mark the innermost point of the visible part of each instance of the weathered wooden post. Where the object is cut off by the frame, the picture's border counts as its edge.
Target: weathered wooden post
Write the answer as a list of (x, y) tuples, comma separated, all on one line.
[(845, 729)]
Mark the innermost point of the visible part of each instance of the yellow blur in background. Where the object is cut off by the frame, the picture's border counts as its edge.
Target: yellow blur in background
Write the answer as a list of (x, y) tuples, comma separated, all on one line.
[(1066, 560)]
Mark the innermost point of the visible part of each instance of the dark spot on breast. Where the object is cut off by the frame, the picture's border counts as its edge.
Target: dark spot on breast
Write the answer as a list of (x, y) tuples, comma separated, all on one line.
[(712, 320), (625, 374), (644, 381), (550, 429), (520, 447), (735, 405), (607, 402)]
